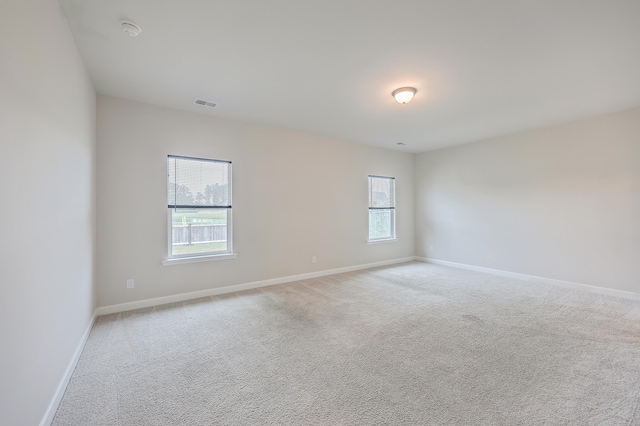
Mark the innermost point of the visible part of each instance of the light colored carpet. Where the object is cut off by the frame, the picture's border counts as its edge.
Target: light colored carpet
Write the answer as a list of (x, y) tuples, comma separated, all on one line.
[(411, 344)]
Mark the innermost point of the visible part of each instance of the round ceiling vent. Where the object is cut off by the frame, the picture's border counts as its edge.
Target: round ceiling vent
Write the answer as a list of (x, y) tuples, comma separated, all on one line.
[(130, 28)]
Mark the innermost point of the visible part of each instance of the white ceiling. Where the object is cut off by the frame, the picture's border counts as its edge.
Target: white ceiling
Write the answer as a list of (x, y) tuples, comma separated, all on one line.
[(482, 68)]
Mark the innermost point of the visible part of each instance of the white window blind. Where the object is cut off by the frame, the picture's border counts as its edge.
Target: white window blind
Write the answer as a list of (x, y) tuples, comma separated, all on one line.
[(381, 192), (197, 182)]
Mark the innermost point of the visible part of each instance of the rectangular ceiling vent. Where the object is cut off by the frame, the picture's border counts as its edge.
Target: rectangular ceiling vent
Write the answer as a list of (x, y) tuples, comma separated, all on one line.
[(205, 103)]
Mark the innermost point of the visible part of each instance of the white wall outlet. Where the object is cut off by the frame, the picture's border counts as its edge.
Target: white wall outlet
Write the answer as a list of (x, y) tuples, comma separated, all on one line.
[(313, 259), (430, 248), (130, 283)]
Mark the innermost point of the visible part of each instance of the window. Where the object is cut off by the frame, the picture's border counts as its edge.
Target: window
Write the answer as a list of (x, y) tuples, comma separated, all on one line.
[(382, 208), (199, 193)]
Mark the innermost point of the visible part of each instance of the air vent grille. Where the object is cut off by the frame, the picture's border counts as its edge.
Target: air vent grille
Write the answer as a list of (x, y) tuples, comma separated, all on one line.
[(205, 103)]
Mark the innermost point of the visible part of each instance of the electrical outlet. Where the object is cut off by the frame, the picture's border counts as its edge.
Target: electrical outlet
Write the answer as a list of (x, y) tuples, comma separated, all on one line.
[(130, 283), (313, 259), (430, 248)]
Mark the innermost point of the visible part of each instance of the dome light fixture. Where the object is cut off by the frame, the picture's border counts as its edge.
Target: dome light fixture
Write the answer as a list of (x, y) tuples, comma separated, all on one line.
[(404, 94)]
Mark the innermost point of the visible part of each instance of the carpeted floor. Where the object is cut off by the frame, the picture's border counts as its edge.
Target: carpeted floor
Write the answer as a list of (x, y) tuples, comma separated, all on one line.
[(412, 344)]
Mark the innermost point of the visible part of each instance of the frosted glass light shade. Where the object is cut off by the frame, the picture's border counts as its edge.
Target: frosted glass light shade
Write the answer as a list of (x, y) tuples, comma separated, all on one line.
[(404, 94)]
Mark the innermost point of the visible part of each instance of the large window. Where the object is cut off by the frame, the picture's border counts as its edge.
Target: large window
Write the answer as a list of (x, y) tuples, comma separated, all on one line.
[(199, 193), (382, 208)]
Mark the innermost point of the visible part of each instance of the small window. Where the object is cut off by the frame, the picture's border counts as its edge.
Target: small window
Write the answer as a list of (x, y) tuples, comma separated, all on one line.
[(382, 208), (199, 193)]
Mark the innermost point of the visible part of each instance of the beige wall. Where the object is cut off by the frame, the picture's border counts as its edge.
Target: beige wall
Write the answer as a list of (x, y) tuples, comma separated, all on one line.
[(561, 202), (47, 166), (295, 195)]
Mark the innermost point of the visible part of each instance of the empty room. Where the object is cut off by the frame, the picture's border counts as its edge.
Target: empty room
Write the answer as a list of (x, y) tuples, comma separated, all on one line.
[(320, 212)]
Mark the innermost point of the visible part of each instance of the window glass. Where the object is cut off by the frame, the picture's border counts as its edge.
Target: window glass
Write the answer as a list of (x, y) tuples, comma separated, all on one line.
[(382, 200)]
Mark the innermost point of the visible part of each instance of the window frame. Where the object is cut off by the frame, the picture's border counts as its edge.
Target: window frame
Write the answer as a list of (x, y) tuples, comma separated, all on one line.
[(392, 208), (202, 256)]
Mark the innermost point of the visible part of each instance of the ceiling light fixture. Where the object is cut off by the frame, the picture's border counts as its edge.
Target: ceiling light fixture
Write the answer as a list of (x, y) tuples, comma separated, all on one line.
[(130, 28), (404, 94)]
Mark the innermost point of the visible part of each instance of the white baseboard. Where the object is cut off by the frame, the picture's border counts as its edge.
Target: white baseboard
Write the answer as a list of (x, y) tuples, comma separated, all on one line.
[(566, 284), (146, 303), (62, 386)]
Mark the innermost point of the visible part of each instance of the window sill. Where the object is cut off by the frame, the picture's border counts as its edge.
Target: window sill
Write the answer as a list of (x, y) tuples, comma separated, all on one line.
[(196, 259), (388, 240)]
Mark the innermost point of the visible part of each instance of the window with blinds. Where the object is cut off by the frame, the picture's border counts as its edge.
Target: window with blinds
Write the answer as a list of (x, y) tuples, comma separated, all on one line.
[(382, 208), (199, 202)]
